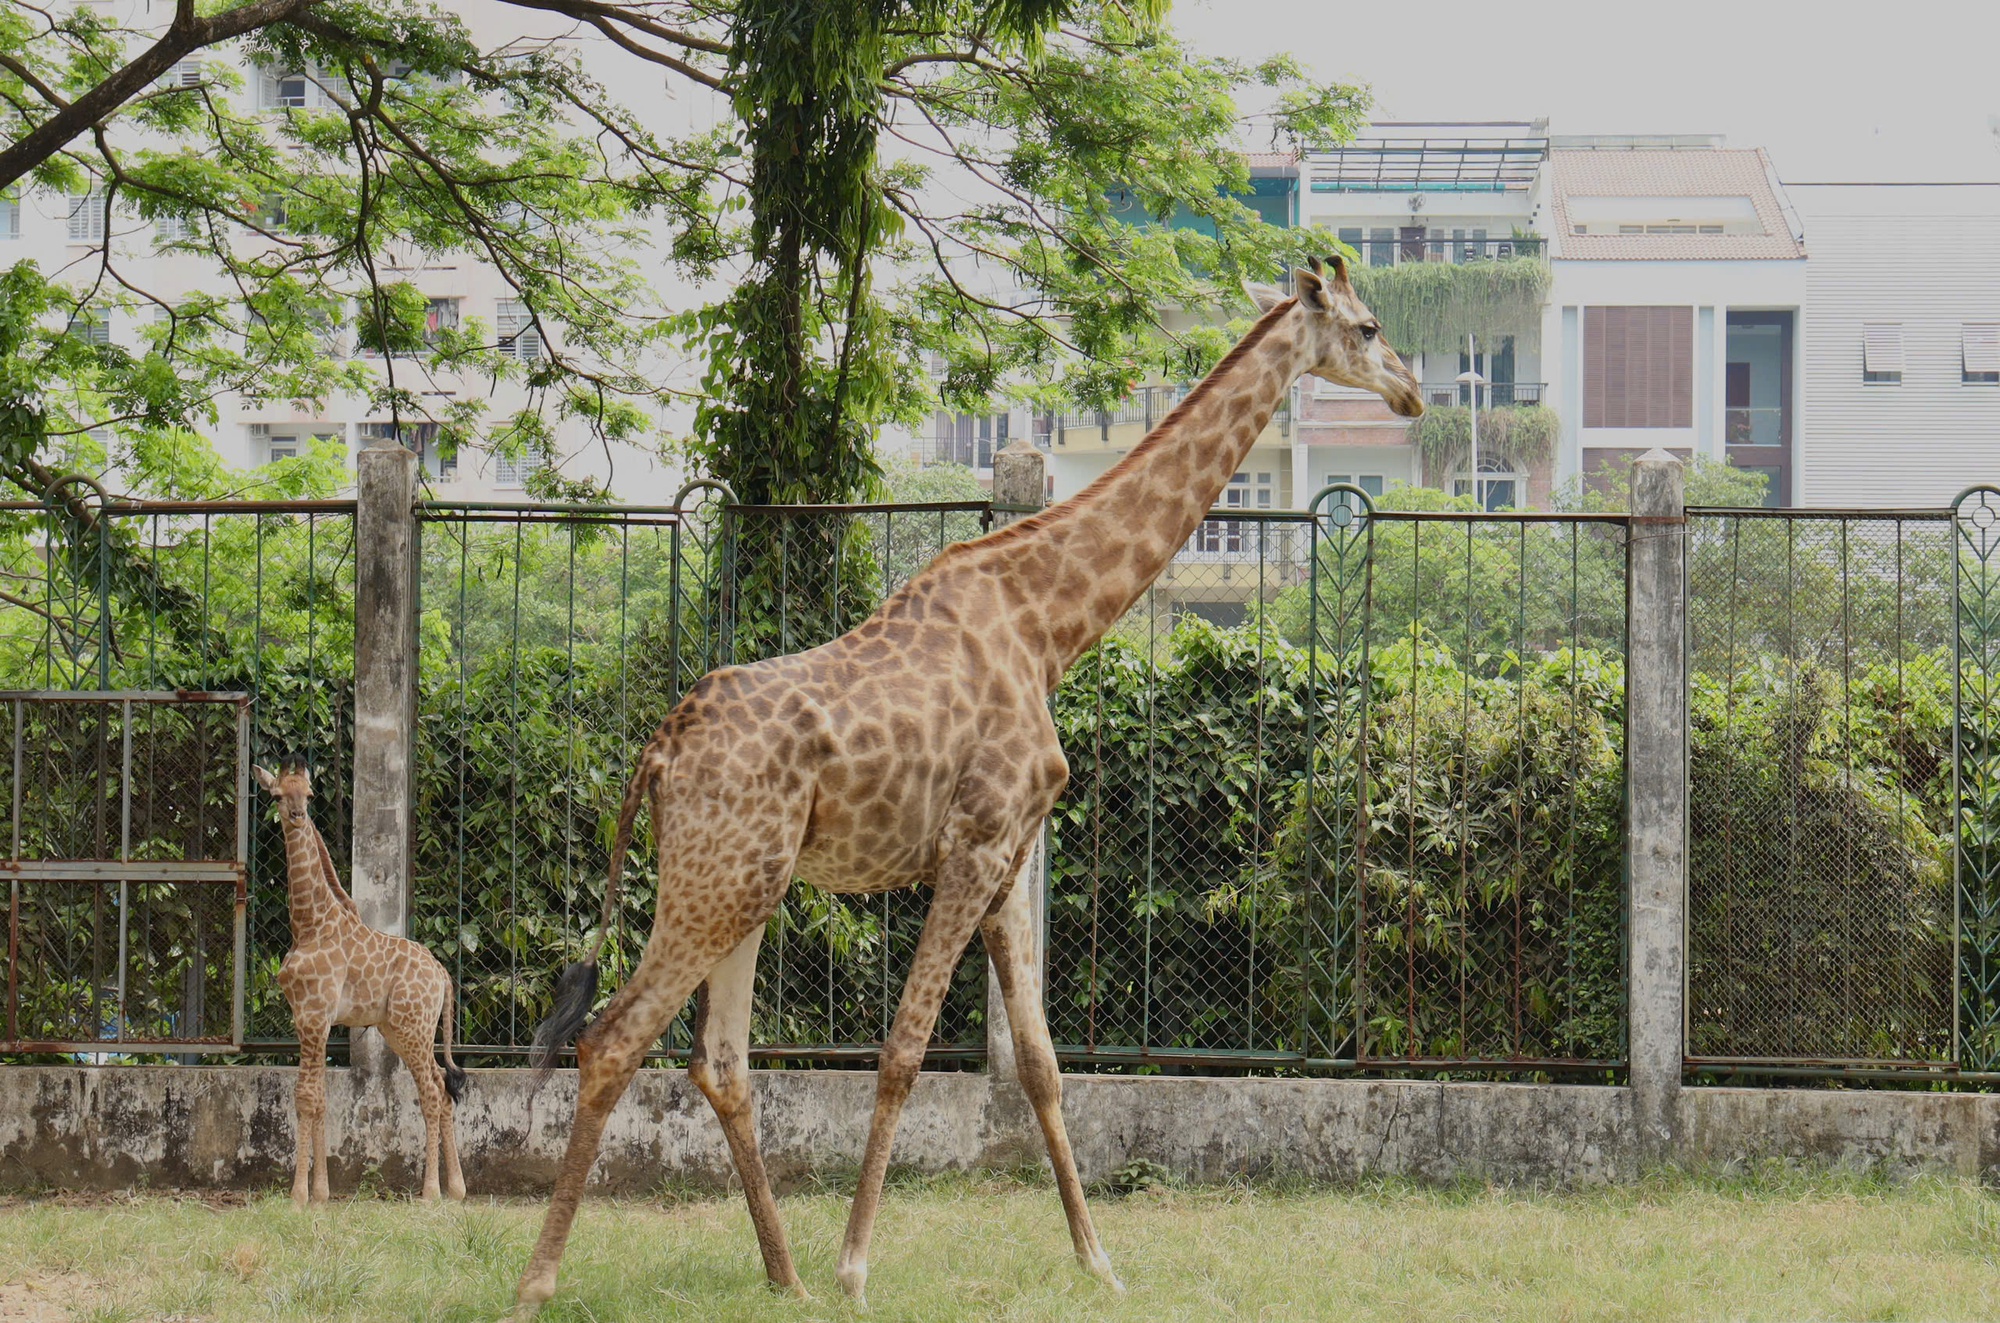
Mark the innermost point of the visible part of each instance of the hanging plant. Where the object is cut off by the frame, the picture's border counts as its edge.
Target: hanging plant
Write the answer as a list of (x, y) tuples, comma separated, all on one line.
[(1522, 436), (1430, 307)]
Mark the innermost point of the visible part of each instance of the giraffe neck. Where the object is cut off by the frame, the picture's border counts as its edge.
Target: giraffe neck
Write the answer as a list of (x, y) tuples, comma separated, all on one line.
[(1113, 539), (309, 898)]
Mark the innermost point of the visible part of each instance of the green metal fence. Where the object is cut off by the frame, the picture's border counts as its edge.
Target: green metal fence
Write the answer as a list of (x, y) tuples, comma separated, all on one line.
[(1975, 773), (254, 597)]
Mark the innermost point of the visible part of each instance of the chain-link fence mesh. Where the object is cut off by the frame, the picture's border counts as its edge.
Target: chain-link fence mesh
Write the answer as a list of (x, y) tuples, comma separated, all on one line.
[(235, 596), (1820, 909), (1492, 912)]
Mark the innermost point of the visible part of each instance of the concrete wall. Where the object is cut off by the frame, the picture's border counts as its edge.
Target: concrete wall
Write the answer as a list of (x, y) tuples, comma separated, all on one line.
[(231, 1127)]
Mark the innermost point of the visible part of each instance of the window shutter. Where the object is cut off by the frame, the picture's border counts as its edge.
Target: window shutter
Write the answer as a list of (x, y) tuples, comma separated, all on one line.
[(1638, 368), (1980, 348), (86, 217), (1882, 349)]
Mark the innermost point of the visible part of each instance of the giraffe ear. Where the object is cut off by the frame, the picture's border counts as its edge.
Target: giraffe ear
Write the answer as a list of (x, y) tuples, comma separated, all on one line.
[(265, 779), (1312, 289), (1266, 297)]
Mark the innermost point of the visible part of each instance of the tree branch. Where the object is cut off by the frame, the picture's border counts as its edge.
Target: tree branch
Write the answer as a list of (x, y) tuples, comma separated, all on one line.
[(185, 35)]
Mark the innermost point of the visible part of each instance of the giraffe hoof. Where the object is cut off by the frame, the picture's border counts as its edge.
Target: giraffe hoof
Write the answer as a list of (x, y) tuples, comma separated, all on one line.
[(853, 1279), (1099, 1266)]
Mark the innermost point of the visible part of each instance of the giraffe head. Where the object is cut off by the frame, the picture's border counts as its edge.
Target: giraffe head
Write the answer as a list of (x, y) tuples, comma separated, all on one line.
[(1343, 338), (291, 787)]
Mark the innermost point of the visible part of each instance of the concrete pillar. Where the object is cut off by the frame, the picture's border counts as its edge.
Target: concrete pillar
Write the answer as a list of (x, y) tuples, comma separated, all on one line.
[(1656, 769), (1020, 479), (385, 698)]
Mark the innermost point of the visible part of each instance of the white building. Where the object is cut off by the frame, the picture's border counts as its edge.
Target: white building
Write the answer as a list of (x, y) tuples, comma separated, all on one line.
[(62, 234), (1902, 342), (1678, 275)]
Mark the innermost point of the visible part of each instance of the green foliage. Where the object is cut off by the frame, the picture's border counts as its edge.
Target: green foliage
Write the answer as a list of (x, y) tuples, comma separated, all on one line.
[(1523, 435), (1429, 307), (1710, 482)]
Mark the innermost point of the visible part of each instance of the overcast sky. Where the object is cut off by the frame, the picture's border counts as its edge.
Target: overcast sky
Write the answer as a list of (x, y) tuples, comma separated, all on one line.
[(1834, 91)]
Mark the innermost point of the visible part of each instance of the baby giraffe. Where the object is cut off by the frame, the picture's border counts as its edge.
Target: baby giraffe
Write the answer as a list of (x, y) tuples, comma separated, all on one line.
[(341, 971)]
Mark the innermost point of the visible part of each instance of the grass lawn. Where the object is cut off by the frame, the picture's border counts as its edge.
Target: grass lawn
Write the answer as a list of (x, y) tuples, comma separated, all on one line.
[(1770, 1245)]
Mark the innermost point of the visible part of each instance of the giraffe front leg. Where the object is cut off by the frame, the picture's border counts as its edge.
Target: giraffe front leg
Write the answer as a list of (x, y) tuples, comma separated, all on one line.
[(309, 1105), (965, 887)]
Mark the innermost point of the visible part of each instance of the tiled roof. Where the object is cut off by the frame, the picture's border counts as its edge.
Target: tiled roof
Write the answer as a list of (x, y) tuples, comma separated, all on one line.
[(1268, 160), (1683, 173)]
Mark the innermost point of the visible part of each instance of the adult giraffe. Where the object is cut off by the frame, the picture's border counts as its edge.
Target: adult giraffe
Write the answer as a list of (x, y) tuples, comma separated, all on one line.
[(917, 748)]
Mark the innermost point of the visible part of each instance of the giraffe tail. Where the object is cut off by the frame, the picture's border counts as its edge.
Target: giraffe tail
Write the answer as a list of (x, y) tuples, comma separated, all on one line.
[(454, 1074), (576, 990)]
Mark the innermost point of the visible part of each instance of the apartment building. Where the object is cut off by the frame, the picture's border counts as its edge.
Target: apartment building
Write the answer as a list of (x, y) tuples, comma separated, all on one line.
[(1901, 342), (1678, 275), (1587, 298), (63, 232)]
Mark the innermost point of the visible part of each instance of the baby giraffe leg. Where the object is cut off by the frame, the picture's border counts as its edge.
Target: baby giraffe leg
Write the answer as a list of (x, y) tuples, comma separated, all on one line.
[(720, 1069), (309, 1102), (415, 1052)]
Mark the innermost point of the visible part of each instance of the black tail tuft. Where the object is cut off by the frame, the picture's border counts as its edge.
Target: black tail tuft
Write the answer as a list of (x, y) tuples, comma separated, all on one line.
[(454, 1081), (576, 992)]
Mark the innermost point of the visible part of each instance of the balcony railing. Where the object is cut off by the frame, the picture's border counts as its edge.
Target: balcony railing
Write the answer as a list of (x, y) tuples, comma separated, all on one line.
[(1383, 249), (1493, 394), (1147, 407), (1762, 425)]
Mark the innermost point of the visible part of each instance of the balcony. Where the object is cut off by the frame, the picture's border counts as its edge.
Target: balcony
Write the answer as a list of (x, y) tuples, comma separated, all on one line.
[(1494, 394), (1398, 248), (1123, 427)]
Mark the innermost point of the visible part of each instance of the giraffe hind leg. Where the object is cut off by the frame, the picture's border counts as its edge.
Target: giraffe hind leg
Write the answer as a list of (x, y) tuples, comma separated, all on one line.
[(1010, 942), (719, 1067), (414, 1049)]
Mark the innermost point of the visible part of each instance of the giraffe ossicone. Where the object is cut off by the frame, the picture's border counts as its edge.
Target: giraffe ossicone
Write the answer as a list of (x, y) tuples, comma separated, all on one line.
[(917, 749), (341, 971)]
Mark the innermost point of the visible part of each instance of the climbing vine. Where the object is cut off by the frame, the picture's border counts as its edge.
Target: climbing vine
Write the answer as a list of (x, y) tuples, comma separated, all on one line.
[(1523, 435), (1429, 307)]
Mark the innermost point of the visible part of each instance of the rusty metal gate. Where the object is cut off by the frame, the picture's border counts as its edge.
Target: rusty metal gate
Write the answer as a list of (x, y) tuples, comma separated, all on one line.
[(126, 830)]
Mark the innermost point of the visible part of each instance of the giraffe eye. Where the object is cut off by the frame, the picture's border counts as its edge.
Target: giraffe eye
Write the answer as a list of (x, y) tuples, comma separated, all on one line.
[(1370, 330)]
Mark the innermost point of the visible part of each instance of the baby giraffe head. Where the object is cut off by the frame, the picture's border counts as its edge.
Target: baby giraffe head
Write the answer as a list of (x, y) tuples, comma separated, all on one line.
[(1343, 339), (291, 787)]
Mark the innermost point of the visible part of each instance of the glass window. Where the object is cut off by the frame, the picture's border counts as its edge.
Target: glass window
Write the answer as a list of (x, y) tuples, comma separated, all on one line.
[(1979, 355)]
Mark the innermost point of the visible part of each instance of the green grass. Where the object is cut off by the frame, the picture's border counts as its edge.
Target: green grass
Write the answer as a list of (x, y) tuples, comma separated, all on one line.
[(1775, 1244)]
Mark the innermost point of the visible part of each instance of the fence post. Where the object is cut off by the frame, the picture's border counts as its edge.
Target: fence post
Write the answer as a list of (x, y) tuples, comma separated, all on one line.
[(1019, 479), (385, 699), (1656, 761)]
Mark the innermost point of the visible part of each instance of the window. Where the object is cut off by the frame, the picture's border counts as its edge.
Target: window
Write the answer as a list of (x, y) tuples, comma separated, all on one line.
[(1638, 367), (1882, 354), (440, 315), (1381, 247), (173, 229), (284, 447), (10, 217), (1979, 355), (419, 437), (86, 217), (90, 327), (1370, 483), (187, 73), (519, 339), (516, 472), (288, 90), (1502, 488)]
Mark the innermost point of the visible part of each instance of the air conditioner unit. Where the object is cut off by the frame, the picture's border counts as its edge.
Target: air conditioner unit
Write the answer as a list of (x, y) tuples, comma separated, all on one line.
[(260, 429)]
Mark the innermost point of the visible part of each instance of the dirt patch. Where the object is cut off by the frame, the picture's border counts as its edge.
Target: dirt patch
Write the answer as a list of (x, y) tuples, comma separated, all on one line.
[(45, 1298)]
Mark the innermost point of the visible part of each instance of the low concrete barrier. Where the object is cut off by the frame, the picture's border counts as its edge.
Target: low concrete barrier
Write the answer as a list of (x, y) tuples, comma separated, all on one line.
[(231, 1128)]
